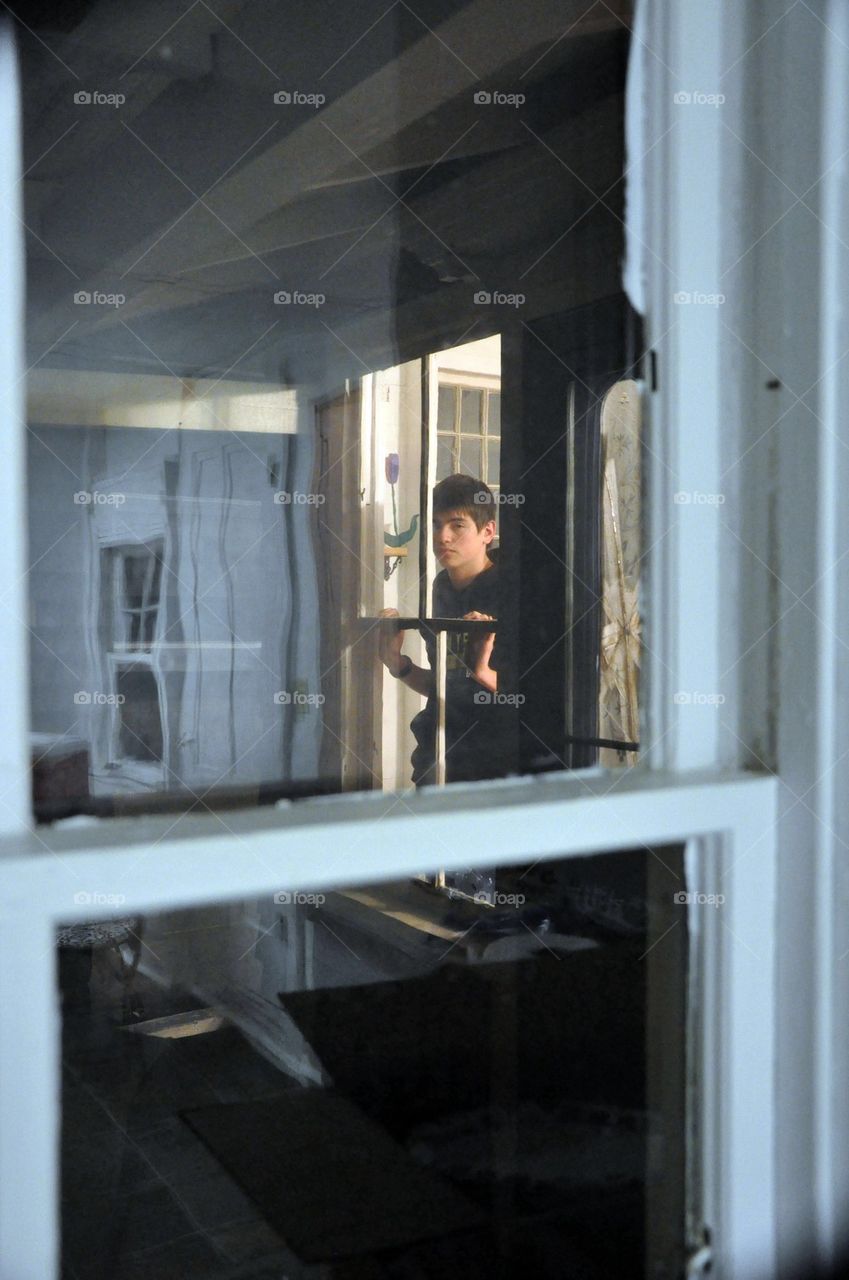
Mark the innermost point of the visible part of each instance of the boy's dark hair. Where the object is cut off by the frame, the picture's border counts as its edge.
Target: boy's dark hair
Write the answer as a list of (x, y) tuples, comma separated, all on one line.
[(464, 493)]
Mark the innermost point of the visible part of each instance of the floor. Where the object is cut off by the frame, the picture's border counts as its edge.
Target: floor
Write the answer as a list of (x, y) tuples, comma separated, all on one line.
[(141, 1195)]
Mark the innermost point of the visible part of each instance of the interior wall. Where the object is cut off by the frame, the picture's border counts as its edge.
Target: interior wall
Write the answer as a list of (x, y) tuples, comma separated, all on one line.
[(239, 622), (57, 623)]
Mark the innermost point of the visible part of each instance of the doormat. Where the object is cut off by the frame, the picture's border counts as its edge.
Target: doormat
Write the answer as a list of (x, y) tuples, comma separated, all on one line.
[(330, 1181)]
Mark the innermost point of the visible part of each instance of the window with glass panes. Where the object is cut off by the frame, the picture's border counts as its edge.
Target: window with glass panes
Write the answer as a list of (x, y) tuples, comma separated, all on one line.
[(468, 432)]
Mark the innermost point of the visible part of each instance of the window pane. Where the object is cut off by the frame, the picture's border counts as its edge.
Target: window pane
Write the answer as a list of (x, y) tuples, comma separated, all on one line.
[(470, 456), (447, 401), (475, 1066), (140, 721), (154, 579), (149, 627), (135, 573), (444, 456), (493, 451), (494, 413), (134, 620), (470, 410), (621, 632), (254, 251)]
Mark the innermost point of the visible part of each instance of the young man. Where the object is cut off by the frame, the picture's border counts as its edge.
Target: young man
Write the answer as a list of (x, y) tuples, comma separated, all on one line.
[(466, 587)]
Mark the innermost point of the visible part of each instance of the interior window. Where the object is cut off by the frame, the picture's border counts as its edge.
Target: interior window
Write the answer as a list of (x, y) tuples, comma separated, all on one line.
[(325, 320)]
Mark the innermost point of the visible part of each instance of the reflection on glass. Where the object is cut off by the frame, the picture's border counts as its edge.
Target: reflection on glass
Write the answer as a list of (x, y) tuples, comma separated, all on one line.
[(290, 313), (620, 637), (140, 733), (384, 1079)]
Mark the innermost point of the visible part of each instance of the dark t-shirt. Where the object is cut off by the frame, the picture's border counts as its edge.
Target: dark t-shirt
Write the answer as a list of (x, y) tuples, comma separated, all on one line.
[(474, 737)]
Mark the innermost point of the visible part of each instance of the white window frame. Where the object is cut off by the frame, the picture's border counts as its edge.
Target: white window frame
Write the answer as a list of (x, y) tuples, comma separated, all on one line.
[(149, 773), (729, 820), (158, 864), (458, 381)]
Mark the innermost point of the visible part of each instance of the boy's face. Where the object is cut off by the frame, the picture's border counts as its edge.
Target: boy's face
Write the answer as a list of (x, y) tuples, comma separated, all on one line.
[(458, 542)]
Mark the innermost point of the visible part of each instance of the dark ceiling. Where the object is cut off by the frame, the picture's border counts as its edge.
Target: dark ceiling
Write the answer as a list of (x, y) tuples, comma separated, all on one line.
[(399, 198)]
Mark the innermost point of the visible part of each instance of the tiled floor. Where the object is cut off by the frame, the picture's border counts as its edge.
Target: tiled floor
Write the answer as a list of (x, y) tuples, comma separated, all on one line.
[(141, 1194)]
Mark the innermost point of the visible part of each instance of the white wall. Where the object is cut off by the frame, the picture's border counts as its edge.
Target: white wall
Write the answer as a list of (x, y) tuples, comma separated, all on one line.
[(482, 356), (238, 611)]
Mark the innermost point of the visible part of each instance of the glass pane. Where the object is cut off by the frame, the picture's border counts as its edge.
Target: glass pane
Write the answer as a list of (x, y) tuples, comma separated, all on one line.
[(444, 456), (135, 572), (470, 410), (621, 542), (154, 580), (134, 620), (482, 1071), (140, 736), (494, 413), (445, 414), (235, 458), (493, 452), (149, 627), (470, 455)]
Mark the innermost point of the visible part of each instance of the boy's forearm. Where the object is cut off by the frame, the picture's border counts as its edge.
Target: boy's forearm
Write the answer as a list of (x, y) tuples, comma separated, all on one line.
[(486, 677), (419, 680)]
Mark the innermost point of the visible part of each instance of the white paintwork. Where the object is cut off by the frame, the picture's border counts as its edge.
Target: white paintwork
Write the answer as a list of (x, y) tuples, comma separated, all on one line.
[(753, 1091), (685, 209), (395, 427), (14, 713), (785, 355), (480, 357), (30, 1089), (732, 1141), (831, 1121), (156, 864), (635, 267)]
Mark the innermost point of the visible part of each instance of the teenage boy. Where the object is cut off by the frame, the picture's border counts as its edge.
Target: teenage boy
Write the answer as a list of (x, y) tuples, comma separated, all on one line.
[(466, 587)]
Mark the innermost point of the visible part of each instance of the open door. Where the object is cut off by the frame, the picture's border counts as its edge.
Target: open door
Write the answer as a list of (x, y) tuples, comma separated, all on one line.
[(351, 743)]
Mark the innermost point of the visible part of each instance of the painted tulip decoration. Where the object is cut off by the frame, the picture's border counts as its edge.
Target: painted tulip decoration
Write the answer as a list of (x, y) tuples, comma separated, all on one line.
[(392, 467)]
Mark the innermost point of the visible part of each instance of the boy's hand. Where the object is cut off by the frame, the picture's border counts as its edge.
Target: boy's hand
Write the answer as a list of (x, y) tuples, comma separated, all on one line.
[(390, 643), (480, 651)]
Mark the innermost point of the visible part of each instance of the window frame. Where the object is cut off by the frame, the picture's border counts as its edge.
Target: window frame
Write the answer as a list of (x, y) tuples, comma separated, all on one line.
[(70, 873), (459, 382), (117, 656), (730, 821)]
